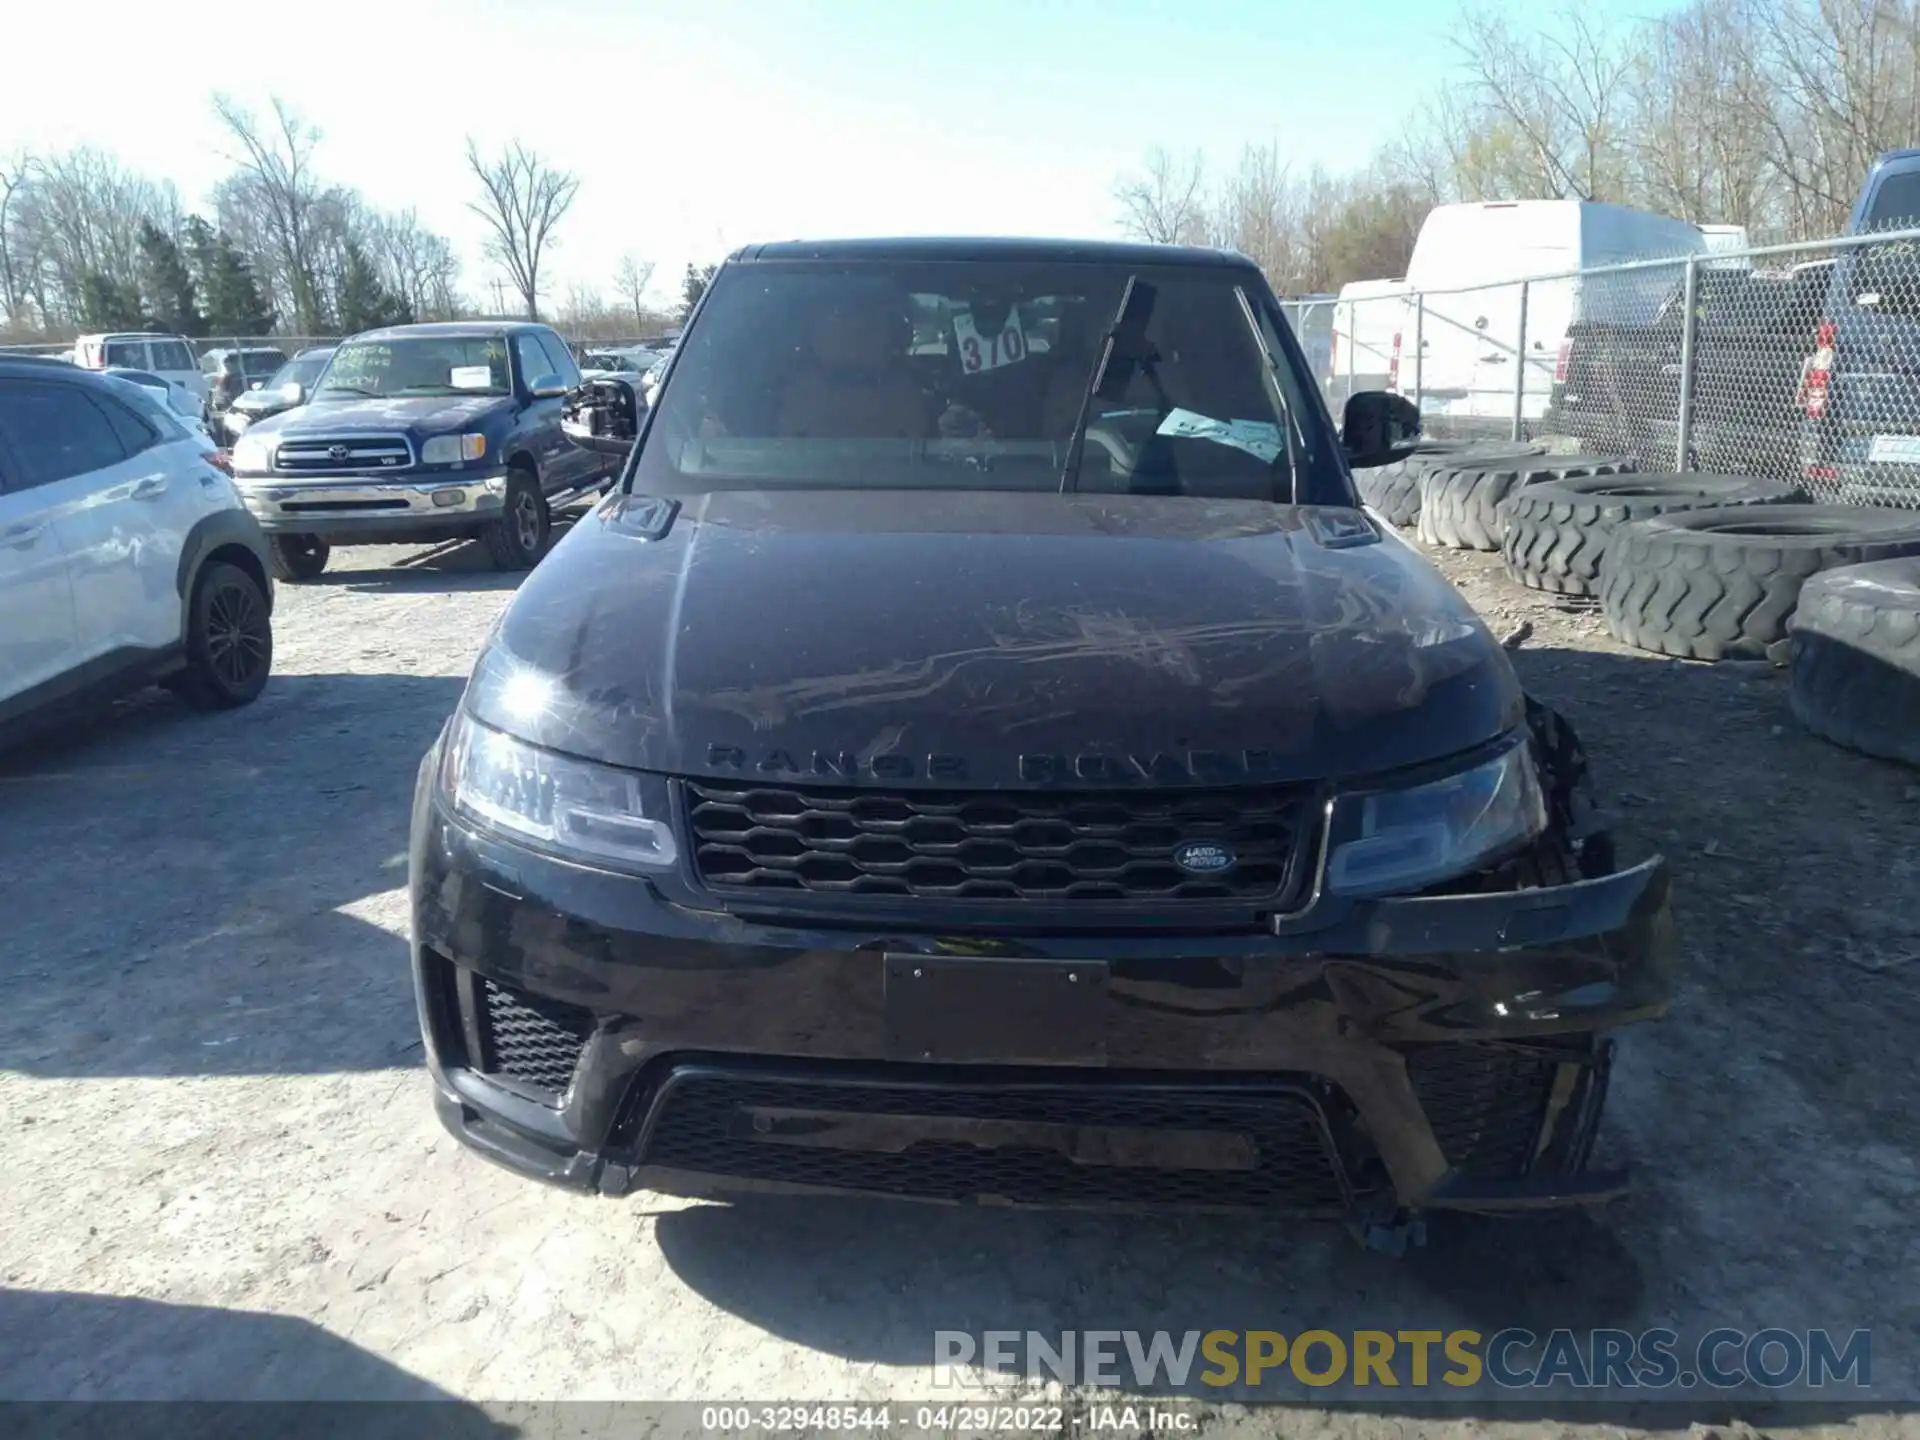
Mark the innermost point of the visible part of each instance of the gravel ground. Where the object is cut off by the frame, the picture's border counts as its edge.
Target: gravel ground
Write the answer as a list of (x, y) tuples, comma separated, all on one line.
[(222, 1176)]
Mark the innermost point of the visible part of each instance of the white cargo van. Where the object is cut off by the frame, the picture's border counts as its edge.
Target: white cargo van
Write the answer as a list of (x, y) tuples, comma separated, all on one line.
[(1367, 322), (1471, 342)]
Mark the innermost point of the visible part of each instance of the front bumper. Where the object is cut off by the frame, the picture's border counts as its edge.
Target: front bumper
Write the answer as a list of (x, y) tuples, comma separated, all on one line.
[(1394, 1056), (350, 506)]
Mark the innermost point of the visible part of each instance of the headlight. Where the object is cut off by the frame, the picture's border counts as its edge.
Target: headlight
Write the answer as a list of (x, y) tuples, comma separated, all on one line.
[(571, 808), (238, 420), (1399, 840), (453, 449), (253, 455)]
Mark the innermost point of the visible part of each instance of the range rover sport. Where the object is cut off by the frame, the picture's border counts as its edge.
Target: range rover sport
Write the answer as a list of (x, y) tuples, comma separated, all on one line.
[(981, 750)]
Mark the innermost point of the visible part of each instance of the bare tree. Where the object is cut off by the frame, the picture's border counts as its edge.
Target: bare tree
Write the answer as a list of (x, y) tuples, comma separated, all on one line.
[(416, 264), (1561, 91), (14, 175), (1257, 214), (1697, 149), (275, 164), (522, 200), (632, 277), (1166, 203)]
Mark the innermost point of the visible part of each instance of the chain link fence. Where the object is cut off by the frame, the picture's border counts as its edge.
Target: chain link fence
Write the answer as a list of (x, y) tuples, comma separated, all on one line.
[(1794, 362)]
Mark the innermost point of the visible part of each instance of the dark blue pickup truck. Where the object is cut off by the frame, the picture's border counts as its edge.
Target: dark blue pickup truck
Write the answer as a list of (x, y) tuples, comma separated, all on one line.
[(1860, 388), (417, 434)]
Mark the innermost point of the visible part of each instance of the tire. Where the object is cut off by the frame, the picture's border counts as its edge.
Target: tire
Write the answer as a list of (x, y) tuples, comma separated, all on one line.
[(1460, 504), (294, 558), (1394, 490), (229, 641), (1709, 584), (1558, 530), (515, 541), (1856, 658)]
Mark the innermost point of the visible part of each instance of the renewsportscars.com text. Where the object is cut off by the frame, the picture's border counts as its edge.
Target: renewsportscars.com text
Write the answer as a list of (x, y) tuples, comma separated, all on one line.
[(1511, 1359)]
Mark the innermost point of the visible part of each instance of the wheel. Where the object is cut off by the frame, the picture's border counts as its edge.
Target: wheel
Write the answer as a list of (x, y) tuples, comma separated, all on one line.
[(1460, 504), (1558, 530), (1708, 584), (1394, 490), (1856, 658), (229, 640), (297, 557), (515, 540)]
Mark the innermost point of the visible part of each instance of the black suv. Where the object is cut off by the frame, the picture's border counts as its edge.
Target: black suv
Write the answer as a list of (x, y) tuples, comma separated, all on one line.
[(997, 759)]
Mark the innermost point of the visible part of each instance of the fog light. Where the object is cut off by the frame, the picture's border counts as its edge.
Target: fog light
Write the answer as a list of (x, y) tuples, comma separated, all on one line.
[(445, 498)]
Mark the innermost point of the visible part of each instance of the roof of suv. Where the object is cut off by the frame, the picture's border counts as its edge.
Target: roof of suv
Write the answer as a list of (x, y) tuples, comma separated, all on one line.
[(24, 367), (453, 328), (1084, 252)]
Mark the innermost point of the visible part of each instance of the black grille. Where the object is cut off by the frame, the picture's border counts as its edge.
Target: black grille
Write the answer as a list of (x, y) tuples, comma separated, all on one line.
[(1015, 845), (356, 452), (530, 1038), (1485, 1102), (1097, 1143)]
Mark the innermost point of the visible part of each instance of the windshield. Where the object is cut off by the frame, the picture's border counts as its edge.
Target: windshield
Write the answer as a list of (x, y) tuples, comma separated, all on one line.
[(302, 371), (951, 375), (419, 365)]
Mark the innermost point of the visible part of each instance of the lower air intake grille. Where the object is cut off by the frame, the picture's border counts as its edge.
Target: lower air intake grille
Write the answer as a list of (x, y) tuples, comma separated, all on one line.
[(1485, 1102), (530, 1038), (1002, 845), (1262, 1146)]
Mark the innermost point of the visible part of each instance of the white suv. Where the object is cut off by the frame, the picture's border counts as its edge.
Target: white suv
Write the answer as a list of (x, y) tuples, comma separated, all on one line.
[(168, 356), (126, 556)]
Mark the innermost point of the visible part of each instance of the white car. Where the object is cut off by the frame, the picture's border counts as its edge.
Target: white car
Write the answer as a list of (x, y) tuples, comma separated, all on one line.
[(169, 356), (177, 398), (126, 556)]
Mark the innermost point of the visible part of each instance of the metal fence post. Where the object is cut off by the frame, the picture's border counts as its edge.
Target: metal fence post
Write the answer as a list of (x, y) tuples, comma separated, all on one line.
[(1683, 428), (1352, 342), (1520, 369), (1419, 348)]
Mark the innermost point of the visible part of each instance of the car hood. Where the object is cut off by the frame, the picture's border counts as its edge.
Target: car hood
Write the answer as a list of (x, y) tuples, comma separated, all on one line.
[(417, 415), (991, 639)]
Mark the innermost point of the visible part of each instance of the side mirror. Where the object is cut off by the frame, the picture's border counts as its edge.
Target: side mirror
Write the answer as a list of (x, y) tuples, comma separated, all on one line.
[(547, 386), (294, 393), (603, 416), (1379, 428)]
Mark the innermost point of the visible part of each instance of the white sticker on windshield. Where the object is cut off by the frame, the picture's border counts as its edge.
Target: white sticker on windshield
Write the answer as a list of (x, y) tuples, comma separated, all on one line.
[(989, 352), (471, 377), (1257, 437)]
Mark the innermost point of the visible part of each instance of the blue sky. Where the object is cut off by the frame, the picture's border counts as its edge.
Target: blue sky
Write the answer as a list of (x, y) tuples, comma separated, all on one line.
[(698, 126)]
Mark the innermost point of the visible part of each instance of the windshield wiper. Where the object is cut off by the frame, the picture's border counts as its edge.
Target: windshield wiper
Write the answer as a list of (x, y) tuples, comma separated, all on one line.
[(348, 390), (1126, 343)]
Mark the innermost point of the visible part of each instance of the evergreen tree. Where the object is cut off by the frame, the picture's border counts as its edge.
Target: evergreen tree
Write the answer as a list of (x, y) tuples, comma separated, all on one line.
[(232, 297), (363, 303), (168, 283), (109, 304), (693, 286)]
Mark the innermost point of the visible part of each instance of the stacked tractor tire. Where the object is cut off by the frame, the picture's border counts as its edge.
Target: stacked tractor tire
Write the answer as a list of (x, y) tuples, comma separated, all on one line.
[(1702, 567)]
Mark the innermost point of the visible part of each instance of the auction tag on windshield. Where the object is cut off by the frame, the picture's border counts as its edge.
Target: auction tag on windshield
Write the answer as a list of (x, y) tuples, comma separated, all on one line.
[(1258, 438), (989, 352), (1895, 450), (471, 377)]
